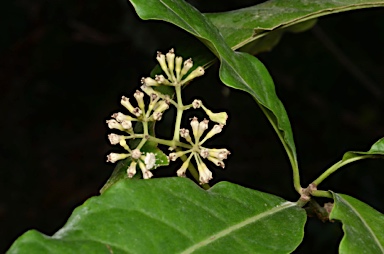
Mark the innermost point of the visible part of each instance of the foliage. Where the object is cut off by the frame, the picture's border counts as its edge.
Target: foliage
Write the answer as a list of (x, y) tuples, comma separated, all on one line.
[(174, 215)]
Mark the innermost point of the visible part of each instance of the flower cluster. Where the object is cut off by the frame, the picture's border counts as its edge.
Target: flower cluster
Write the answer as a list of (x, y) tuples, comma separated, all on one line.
[(152, 109)]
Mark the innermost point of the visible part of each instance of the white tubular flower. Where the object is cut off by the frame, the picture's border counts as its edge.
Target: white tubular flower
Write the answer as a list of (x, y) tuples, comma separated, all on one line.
[(174, 156), (215, 130), (114, 139), (220, 154), (157, 116), (204, 153), (139, 98), (216, 117), (125, 102), (121, 117), (187, 66), (113, 124), (136, 154), (161, 106), (203, 125), (162, 80), (216, 161), (126, 124), (148, 90), (148, 81), (113, 157), (146, 173), (131, 171), (184, 133), (204, 173), (150, 160), (196, 104), (183, 169), (161, 59), (178, 62), (171, 63), (195, 126), (199, 71)]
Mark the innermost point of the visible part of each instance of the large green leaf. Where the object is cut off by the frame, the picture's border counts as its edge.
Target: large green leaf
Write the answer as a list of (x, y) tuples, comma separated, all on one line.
[(242, 26), (174, 215), (363, 226), (238, 70)]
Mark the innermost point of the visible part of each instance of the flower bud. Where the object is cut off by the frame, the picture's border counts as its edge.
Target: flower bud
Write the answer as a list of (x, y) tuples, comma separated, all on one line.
[(216, 161), (162, 80), (136, 154), (123, 143), (184, 133), (220, 154), (216, 117), (171, 62), (161, 106), (199, 71), (126, 124), (131, 171), (148, 81), (196, 104), (121, 117), (182, 170), (204, 173), (114, 139), (195, 126), (113, 157), (161, 59), (146, 173), (187, 66), (178, 63), (215, 130), (139, 98), (203, 125), (113, 124), (174, 156)]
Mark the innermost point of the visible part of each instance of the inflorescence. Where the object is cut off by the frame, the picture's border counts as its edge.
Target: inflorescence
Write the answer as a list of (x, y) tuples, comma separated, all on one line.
[(149, 110)]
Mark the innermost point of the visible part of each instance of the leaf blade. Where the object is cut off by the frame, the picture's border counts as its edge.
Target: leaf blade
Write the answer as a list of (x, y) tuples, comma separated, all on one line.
[(141, 216), (362, 225)]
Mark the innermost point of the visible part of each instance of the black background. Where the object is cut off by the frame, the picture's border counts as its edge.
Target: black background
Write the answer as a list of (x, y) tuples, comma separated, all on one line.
[(65, 64)]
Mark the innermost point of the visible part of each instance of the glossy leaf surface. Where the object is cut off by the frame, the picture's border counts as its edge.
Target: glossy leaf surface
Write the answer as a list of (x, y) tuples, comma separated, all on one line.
[(242, 26), (362, 225), (173, 215), (238, 70)]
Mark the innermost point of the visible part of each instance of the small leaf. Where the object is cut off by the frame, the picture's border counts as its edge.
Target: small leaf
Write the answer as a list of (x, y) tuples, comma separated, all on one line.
[(376, 151), (363, 226), (173, 215)]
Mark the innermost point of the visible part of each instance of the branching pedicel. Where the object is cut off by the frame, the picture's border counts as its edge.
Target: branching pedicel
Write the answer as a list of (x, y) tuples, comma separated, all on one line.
[(158, 103)]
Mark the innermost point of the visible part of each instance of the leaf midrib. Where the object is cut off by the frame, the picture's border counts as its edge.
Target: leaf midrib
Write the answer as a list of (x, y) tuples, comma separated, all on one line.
[(237, 226)]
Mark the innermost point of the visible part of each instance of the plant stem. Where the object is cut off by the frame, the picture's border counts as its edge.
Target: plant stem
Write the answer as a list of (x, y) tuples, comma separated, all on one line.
[(321, 193), (179, 114), (145, 133), (169, 143), (292, 160), (338, 165)]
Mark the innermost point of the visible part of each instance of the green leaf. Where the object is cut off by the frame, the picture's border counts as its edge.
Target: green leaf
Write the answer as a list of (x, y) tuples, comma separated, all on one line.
[(376, 151), (240, 27), (174, 215), (238, 70), (363, 226)]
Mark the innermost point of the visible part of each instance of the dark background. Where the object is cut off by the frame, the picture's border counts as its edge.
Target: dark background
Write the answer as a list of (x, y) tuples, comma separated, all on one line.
[(65, 64)]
